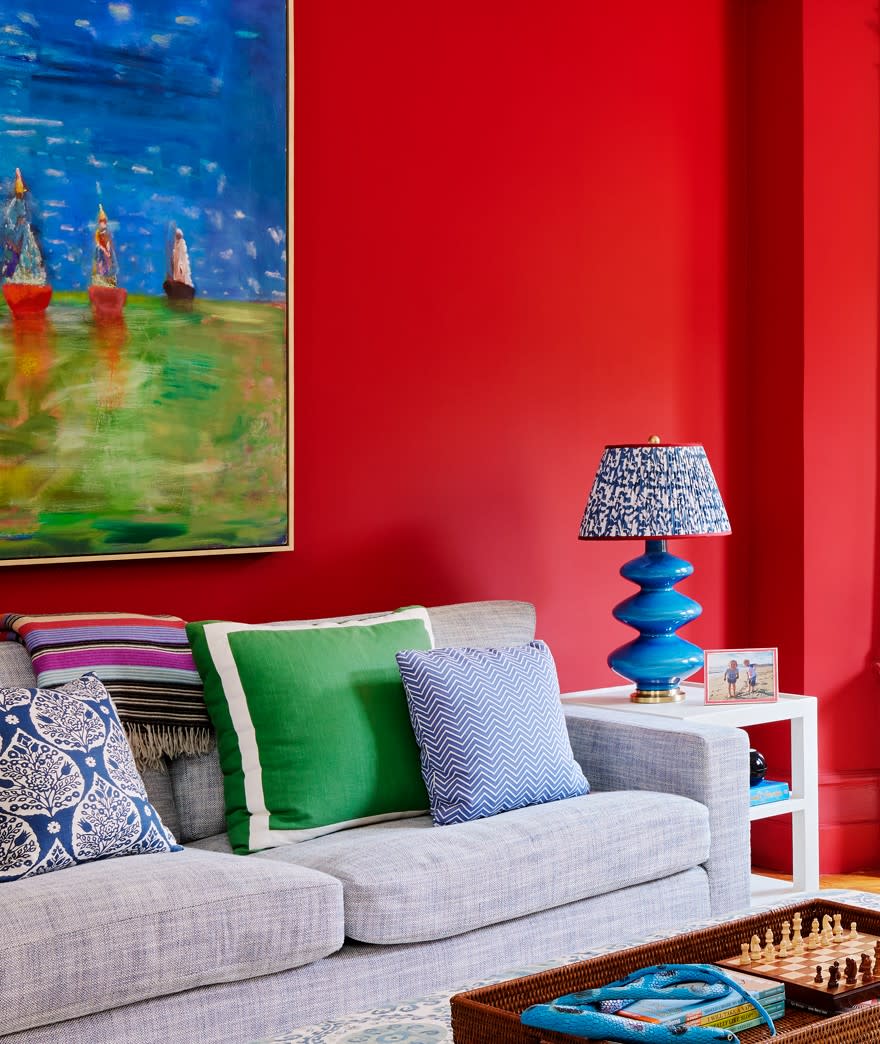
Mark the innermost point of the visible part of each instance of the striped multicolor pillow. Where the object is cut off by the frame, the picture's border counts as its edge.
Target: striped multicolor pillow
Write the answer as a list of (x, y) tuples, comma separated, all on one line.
[(146, 664)]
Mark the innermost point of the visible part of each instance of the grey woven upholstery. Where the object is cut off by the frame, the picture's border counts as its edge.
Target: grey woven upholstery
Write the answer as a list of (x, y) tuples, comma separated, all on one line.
[(408, 881), (158, 787), (482, 624), (704, 762), (15, 666), (197, 786), (362, 976), (115, 931), (205, 946)]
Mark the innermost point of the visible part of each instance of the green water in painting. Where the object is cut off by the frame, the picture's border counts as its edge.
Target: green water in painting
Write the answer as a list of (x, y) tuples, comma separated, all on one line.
[(164, 431)]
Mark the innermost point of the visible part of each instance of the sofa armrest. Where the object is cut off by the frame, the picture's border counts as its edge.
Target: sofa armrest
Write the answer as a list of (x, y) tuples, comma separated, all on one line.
[(709, 763)]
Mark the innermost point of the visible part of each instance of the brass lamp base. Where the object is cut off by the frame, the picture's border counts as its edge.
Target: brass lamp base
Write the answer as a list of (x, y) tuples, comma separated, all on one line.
[(657, 696)]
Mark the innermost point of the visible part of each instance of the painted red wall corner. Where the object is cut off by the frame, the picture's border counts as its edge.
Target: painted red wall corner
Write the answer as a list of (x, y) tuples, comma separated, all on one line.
[(841, 280), (816, 535)]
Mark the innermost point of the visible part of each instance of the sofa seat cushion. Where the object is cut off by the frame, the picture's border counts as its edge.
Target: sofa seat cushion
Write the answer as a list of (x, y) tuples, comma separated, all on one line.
[(409, 881), (116, 931)]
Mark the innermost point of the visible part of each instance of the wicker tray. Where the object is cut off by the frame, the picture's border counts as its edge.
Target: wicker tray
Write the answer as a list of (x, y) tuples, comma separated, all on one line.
[(490, 1014)]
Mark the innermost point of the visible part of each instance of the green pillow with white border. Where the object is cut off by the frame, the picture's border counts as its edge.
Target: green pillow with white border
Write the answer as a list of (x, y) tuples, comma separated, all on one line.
[(313, 729)]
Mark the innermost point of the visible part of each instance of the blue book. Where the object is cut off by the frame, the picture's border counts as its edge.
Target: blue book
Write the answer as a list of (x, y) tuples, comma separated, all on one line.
[(741, 1022), (768, 790), (735, 1016), (732, 1004)]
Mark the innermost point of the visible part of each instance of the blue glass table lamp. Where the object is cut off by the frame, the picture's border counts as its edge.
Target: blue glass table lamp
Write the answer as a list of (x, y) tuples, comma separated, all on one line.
[(655, 492)]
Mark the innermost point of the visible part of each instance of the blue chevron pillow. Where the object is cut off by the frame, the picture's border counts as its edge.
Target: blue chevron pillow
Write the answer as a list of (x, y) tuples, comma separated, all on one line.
[(490, 729)]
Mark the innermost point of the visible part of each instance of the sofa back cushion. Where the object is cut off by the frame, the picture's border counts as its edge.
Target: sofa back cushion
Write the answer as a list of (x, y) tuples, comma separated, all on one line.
[(197, 782), (15, 666), (482, 624)]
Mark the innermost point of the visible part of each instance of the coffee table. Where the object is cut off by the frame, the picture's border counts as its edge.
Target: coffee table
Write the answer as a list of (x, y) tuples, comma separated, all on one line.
[(427, 1020)]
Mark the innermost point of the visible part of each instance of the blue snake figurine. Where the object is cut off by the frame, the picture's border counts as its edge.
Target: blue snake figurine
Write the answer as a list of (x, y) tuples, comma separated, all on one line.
[(590, 1013)]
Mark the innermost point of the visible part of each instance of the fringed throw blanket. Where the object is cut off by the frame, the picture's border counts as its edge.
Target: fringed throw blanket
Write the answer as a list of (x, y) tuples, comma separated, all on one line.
[(145, 663)]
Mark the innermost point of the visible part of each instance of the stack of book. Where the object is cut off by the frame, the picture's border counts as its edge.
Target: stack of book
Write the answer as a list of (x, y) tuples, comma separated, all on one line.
[(768, 790), (731, 1011)]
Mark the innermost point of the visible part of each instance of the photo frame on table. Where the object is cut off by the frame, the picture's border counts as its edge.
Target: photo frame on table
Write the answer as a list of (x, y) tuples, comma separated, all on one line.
[(738, 676), (146, 379)]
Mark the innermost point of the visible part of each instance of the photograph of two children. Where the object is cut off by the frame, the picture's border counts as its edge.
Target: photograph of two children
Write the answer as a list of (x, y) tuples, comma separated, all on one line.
[(740, 676)]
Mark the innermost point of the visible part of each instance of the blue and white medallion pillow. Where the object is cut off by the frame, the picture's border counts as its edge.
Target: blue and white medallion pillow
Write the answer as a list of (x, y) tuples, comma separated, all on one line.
[(69, 788), (490, 729)]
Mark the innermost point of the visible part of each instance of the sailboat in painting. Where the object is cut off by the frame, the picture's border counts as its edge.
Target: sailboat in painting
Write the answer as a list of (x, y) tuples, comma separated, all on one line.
[(106, 297), (25, 287), (179, 284)]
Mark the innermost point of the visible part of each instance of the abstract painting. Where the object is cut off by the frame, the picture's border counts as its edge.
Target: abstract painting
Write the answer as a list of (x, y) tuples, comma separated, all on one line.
[(145, 374)]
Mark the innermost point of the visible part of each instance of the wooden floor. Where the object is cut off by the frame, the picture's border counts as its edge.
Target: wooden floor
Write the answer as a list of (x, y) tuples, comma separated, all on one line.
[(857, 882)]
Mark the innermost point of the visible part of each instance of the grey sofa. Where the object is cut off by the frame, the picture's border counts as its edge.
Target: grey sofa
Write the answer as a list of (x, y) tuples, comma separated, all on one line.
[(205, 946)]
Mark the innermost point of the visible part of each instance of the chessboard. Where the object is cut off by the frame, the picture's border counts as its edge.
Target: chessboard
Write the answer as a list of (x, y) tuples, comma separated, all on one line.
[(830, 968)]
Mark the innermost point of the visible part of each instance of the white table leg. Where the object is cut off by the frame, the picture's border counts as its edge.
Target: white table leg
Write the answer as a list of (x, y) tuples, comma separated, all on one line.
[(805, 784)]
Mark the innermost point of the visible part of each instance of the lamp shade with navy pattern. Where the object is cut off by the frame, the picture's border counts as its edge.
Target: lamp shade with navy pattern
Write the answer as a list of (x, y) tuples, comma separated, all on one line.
[(656, 493)]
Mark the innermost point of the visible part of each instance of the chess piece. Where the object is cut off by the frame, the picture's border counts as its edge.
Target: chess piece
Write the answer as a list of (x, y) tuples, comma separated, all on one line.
[(797, 940), (853, 934), (818, 975), (796, 922), (744, 956), (755, 949), (769, 953), (826, 930), (785, 940), (850, 971), (837, 930), (813, 938), (834, 976), (865, 968)]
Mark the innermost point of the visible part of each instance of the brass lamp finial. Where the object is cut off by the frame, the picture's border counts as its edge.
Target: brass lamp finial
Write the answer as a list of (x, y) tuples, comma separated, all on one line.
[(653, 440)]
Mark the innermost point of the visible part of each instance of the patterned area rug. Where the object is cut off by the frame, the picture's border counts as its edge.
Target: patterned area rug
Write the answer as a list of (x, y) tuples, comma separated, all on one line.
[(426, 1021)]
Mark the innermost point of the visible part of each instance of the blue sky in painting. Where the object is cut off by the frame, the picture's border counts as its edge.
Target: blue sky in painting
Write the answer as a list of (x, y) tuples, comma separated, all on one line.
[(169, 113)]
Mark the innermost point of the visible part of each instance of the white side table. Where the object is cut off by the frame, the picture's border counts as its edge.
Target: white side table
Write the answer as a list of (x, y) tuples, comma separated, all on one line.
[(802, 806)]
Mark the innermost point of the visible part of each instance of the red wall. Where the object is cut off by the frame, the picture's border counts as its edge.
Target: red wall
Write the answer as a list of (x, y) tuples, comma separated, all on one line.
[(517, 238), (841, 178), (767, 590), (813, 303), (524, 230)]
